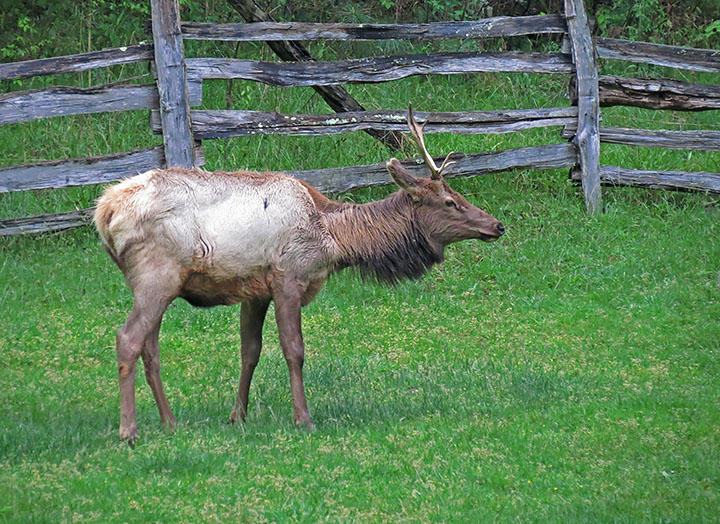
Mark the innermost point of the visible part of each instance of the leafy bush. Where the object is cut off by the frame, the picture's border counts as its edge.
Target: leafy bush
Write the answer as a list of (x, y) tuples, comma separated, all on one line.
[(659, 21)]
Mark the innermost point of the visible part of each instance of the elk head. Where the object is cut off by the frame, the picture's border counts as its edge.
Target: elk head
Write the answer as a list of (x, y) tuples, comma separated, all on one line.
[(444, 214)]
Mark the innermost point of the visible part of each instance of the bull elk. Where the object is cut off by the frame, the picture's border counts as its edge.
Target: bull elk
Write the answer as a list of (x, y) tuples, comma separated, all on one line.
[(222, 238)]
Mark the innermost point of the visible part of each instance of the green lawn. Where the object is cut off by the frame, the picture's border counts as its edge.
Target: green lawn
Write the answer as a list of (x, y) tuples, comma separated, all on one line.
[(567, 373)]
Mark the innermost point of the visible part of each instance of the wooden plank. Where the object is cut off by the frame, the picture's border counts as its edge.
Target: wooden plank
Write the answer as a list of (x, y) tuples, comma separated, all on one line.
[(58, 101), (290, 31), (172, 83), (194, 85), (76, 63), (586, 138), (382, 69), (82, 171), (669, 139), (22, 106), (336, 97), (46, 223), (224, 124), (338, 180), (678, 180), (677, 57), (689, 140), (657, 94)]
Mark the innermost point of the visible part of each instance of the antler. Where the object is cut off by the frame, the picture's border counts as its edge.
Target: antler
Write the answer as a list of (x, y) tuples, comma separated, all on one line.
[(417, 133)]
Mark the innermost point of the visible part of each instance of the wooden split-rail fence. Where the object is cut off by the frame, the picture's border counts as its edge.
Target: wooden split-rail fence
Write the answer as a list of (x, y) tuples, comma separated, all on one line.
[(178, 87)]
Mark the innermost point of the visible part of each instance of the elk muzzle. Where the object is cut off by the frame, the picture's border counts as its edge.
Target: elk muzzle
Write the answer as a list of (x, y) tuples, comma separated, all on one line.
[(492, 233)]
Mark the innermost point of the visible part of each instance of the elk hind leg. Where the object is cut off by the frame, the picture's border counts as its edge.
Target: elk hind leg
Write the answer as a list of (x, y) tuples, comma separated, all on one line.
[(151, 360), (150, 302), (251, 324), (288, 303)]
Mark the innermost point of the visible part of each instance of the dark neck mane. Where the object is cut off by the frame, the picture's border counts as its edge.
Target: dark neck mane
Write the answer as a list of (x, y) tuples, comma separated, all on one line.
[(383, 239)]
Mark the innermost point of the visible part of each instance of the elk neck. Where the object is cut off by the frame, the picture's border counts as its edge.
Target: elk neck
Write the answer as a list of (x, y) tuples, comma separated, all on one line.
[(383, 239)]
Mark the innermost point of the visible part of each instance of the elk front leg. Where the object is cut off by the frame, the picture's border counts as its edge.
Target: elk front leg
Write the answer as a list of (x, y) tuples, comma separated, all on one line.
[(287, 295), (251, 324)]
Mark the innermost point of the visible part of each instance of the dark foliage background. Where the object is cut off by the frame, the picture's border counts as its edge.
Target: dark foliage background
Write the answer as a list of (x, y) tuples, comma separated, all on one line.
[(40, 28)]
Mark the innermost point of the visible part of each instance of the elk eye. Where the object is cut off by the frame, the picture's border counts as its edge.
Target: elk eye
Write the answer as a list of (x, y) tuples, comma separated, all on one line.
[(449, 202)]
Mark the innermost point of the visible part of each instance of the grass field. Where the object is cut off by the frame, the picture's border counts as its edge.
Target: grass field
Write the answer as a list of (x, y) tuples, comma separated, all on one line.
[(568, 373)]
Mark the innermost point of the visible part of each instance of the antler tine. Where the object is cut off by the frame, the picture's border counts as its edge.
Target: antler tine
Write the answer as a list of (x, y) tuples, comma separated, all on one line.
[(417, 133), (447, 162)]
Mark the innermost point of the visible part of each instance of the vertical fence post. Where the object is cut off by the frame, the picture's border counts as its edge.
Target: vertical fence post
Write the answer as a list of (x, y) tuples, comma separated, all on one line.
[(172, 84), (587, 137)]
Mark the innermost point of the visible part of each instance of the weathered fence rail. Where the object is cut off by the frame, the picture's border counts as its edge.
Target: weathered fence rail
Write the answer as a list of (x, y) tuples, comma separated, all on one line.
[(82, 171), (696, 181), (179, 81), (63, 101), (44, 223), (228, 123), (77, 63), (552, 156), (665, 138), (373, 70), (289, 31), (657, 94), (704, 60), (55, 101), (337, 97)]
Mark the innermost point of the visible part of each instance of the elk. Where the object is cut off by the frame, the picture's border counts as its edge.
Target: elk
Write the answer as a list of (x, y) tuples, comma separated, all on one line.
[(227, 237)]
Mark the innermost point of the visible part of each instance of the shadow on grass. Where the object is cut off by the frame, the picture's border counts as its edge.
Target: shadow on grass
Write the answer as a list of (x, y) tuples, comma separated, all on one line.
[(359, 392), (343, 394)]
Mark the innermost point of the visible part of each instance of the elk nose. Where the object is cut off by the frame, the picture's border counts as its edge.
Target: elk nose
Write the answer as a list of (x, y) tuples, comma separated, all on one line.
[(500, 228)]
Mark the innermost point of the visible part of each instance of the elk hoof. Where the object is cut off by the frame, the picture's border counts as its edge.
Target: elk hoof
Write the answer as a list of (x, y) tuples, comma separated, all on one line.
[(131, 441), (305, 425), (236, 416), (170, 425), (129, 435)]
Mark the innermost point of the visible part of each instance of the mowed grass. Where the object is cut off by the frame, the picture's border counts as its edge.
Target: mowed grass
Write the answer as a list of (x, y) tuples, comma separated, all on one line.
[(567, 373)]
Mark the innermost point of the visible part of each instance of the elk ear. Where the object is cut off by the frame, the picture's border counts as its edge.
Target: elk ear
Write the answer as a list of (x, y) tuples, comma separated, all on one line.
[(402, 176)]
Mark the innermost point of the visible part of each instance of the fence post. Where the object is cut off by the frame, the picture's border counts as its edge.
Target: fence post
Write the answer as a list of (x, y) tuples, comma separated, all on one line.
[(172, 84), (587, 137)]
